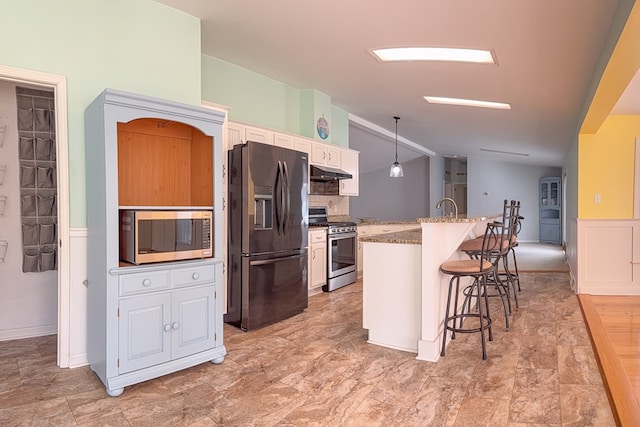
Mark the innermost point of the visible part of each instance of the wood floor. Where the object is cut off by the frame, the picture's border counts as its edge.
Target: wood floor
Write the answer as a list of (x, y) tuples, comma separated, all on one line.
[(614, 327)]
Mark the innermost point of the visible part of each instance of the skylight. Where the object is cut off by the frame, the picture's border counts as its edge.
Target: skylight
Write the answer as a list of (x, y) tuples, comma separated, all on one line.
[(467, 102), (434, 54)]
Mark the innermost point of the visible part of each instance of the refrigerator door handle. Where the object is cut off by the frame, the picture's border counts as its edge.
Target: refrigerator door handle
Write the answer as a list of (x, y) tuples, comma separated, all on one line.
[(287, 197), (274, 260), (277, 193)]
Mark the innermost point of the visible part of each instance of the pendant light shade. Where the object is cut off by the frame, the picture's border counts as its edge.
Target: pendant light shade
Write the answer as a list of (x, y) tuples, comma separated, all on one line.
[(396, 168)]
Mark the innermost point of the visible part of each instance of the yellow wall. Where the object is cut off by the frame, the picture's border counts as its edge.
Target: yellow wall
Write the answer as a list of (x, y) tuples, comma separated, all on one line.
[(606, 167), (606, 144)]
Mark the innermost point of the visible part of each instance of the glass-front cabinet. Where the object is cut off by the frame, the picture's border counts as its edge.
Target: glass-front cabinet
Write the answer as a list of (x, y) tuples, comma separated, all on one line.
[(550, 210), (549, 192)]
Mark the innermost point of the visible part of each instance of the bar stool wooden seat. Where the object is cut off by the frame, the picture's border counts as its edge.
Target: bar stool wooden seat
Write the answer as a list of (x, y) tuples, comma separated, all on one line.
[(479, 270)]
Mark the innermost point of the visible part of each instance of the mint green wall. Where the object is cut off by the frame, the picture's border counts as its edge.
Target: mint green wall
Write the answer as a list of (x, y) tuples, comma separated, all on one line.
[(307, 112), (262, 101), (252, 97), (315, 105), (132, 45)]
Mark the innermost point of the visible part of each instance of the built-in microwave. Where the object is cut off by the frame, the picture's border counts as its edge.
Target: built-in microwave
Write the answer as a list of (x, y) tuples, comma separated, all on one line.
[(148, 236)]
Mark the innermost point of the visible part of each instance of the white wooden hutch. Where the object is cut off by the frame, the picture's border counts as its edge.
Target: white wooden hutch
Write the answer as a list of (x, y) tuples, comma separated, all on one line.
[(150, 320)]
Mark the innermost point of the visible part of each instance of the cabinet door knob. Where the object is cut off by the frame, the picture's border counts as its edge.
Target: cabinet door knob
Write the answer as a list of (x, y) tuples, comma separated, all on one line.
[(167, 327), (175, 325), (146, 282), (195, 276)]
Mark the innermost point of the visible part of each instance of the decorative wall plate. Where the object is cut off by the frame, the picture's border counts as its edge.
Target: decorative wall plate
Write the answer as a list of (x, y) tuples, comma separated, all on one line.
[(322, 125)]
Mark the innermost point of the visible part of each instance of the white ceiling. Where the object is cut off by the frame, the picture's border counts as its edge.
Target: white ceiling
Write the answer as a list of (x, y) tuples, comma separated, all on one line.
[(546, 51)]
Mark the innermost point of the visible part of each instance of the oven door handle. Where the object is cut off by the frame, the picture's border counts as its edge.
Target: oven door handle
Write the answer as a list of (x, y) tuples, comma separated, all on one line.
[(342, 236)]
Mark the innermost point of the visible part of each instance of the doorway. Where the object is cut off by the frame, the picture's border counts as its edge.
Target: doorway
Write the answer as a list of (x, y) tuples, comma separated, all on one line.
[(455, 182), (57, 84), (460, 197)]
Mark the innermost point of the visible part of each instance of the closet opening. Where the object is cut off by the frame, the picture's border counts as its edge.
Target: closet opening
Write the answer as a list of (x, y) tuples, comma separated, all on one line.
[(34, 208)]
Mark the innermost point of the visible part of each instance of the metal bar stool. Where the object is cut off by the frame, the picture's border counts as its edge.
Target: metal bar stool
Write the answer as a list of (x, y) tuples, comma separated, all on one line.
[(499, 250), (479, 269), (513, 275)]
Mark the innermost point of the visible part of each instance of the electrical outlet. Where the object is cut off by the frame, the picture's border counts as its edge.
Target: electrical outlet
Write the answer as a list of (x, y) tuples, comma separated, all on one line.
[(596, 198)]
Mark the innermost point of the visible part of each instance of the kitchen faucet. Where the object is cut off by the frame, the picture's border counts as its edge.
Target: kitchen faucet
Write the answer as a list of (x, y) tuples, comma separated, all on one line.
[(453, 202)]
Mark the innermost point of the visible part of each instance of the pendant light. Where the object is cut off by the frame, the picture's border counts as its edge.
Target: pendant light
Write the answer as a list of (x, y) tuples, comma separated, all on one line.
[(396, 168)]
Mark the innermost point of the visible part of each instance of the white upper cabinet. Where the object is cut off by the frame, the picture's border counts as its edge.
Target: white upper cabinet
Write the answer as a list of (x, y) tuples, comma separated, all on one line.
[(325, 154), (349, 163), (318, 154), (258, 135), (238, 133), (283, 140), (302, 144), (235, 135)]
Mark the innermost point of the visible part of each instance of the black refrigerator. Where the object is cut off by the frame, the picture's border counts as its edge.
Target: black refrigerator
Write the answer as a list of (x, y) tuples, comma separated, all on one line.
[(267, 235)]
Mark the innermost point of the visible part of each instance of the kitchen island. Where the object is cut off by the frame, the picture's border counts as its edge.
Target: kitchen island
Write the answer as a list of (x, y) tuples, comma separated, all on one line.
[(404, 292)]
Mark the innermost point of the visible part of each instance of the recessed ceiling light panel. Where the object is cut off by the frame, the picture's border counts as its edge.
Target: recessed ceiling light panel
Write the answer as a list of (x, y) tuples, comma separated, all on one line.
[(467, 102), (434, 54)]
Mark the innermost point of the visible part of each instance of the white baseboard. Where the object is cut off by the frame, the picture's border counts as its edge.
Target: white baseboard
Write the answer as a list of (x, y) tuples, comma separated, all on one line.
[(35, 331), (78, 360)]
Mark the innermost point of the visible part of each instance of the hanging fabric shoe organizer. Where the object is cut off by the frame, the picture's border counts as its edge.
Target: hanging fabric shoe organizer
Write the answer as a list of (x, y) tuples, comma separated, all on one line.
[(38, 187)]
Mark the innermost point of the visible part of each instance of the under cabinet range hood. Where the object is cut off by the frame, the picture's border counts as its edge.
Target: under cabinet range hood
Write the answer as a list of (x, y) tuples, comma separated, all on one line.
[(325, 173)]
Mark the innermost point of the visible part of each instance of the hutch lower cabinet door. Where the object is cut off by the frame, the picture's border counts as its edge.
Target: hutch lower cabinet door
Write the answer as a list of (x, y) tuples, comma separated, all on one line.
[(158, 328)]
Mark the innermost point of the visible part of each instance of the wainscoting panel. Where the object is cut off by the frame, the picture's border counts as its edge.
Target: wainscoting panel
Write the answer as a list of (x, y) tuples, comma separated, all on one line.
[(608, 259)]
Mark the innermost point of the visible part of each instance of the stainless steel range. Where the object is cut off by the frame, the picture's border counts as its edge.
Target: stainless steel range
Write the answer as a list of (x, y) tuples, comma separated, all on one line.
[(342, 248)]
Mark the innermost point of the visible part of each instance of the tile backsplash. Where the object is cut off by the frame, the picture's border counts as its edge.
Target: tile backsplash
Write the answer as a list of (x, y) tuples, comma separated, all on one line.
[(336, 205)]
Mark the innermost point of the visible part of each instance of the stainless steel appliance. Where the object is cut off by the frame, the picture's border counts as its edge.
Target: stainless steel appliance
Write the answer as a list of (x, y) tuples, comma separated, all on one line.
[(268, 225), (342, 249), (148, 236)]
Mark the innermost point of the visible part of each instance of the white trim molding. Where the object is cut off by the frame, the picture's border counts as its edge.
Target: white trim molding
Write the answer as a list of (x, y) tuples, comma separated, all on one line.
[(377, 130)]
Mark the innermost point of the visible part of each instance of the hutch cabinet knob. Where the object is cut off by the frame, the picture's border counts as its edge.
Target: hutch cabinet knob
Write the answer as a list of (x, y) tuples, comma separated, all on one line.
[(146, 282), (175, 325), (167, 327), (195, 276)]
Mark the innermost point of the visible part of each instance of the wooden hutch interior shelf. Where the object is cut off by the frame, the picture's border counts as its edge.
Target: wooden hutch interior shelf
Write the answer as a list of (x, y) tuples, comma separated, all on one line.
[(163, 163)]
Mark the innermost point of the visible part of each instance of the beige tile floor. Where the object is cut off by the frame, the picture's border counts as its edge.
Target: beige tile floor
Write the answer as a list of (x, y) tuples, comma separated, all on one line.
[(316, 369)]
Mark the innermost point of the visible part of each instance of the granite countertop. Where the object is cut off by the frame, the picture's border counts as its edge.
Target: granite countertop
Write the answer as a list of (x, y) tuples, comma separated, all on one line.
[(433, 220), (407, 237), (447, 219), (414, 236), (387, 222)]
